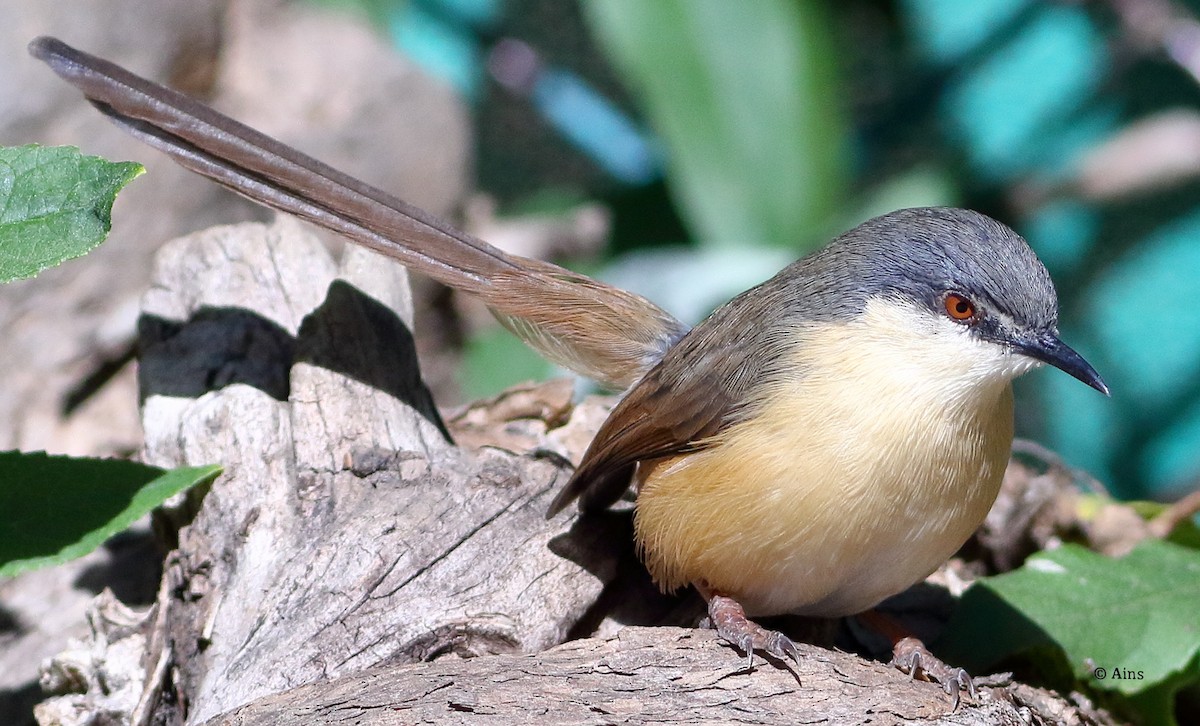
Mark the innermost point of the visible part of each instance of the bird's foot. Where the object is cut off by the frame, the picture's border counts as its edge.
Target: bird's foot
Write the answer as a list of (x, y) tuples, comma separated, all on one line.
[(910, 656), (729, 619)]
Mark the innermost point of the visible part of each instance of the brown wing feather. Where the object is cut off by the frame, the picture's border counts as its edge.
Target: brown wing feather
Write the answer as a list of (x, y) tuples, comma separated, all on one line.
[(704, 383)]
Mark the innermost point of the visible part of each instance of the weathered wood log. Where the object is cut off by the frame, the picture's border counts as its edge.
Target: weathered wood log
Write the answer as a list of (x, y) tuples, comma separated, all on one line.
[(347, 529), (642, 676)]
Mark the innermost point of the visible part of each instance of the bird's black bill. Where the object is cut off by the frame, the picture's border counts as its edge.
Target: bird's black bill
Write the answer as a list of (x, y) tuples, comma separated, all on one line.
[(1049, 349)]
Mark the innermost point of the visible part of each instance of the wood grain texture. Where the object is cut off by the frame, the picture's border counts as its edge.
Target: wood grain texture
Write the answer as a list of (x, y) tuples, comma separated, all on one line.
[(643, 676)]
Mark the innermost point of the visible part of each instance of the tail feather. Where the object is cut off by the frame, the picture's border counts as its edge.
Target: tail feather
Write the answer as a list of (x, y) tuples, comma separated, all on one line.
[(600, 331)]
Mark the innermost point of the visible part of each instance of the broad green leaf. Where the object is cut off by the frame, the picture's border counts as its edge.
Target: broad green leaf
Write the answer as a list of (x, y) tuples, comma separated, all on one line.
[(55, 204), (57, 508), (1136, 617), (744, 94)]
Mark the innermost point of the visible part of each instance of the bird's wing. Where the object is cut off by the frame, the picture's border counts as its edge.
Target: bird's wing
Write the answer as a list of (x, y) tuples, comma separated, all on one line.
[(706, 382)]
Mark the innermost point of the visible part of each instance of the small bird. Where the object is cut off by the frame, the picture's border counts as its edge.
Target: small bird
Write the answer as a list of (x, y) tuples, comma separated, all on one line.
[(819, 443)]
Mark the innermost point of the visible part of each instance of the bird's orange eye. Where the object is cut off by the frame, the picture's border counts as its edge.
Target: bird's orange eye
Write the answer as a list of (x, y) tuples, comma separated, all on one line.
[(959, 307)]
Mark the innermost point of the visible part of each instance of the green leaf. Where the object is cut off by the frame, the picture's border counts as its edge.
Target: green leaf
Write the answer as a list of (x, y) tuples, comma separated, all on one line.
[(496, 359), (55, 204), (1136, 617), (57, 508), (744, 94)]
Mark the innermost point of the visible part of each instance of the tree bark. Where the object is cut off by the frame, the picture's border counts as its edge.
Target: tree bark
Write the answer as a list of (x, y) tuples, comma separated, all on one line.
[(642, 676)]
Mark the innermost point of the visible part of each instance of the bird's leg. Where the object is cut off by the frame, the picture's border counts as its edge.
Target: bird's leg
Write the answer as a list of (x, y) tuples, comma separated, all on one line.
[(909, 655), (728, 618)]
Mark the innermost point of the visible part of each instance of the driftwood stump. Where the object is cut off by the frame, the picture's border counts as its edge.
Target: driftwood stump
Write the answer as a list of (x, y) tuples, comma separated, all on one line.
[(353, 565)]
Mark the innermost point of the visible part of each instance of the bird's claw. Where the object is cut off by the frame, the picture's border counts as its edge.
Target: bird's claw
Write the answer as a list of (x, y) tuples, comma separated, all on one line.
[(910, 656), (728, 618), (782, 647)]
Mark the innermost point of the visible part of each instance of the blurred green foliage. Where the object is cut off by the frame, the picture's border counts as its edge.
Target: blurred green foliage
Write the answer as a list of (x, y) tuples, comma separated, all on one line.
[(782, 122), (745, 99), (1030, 102)]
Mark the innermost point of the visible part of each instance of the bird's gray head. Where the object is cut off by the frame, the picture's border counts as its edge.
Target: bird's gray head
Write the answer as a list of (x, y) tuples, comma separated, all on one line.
[(962, 271)]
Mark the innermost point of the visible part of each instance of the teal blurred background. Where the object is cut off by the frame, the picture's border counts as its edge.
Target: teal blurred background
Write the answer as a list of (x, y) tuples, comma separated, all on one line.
[(731, 137)]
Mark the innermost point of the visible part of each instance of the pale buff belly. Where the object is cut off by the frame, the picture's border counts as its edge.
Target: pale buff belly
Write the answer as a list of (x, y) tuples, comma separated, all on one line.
[(826, 512)]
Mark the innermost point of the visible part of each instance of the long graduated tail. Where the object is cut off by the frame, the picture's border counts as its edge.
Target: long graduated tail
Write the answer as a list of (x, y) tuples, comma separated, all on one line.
[(597, 330)]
